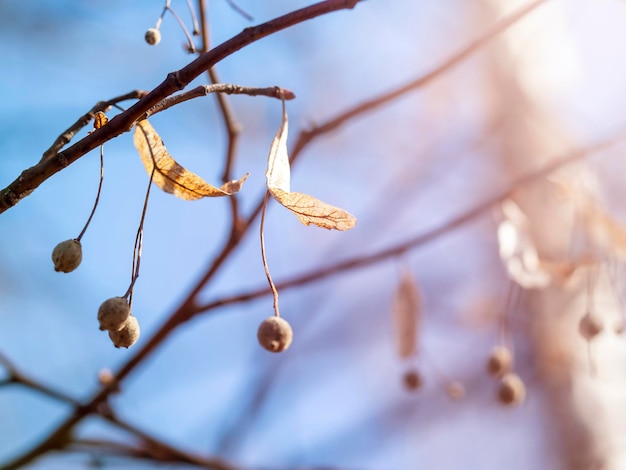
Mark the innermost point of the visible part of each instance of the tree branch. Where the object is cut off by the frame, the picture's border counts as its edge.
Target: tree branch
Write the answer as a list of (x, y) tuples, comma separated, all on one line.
[(417, 240), (229, 89), (32, 177)]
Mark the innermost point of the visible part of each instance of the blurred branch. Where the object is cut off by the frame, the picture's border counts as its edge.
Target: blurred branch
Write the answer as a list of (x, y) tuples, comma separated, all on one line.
[(32, 177), (175, 81), (163, 450), (385, 98), (232, 127), (18, 378), (418, 240)]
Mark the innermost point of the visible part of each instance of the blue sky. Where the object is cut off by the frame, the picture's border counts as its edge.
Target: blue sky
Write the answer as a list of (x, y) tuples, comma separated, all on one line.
[(335, 397)]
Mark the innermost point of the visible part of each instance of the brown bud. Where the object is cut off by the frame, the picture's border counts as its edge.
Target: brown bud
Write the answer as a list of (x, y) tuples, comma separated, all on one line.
[(500, 361), (128, 335), (113, 313), (275, 334), (412, 380), (511, 389), (590, 326), (67, 255), (153, 36)]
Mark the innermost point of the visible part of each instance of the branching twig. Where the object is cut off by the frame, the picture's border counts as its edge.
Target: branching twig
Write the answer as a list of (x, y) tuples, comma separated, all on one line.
[(418, 240), (32, 177), (203, 90), (82, 121), (123, 122), (385, 98)]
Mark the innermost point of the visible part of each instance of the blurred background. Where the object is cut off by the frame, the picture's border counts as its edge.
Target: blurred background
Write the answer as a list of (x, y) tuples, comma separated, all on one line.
[(551, 84)]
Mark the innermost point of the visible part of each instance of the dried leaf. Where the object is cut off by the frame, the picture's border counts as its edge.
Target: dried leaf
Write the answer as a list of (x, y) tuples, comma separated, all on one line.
[(517, 249), (169, 175), (308, 209), (406, 312)]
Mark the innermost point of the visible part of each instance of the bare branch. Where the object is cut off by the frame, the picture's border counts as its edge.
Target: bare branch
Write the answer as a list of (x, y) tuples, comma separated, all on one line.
[(31, 178), (203, 90), (418, 240)]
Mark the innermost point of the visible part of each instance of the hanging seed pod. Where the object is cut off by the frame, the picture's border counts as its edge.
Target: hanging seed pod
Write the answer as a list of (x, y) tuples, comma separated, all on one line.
[(128, 335), (511, 389), (412, 380), (67, 256), (590, 326), (153, 36), (275, 334), (500, 361), (455, 390), (113, 314)]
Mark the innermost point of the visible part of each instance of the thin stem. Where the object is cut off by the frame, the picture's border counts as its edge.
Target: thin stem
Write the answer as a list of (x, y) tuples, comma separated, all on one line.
[(93, 210), (139, 237), (194, 18), (263, 256), (160, 19), (191, 46)]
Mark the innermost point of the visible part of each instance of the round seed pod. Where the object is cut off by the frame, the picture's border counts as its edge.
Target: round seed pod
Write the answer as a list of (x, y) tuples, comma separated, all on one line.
[(511, 389), (153, 36), (67, 255), (275, 334), (113, 314), (500, 361), (590, 326), (412, 380), (455, 390), (128, 335)]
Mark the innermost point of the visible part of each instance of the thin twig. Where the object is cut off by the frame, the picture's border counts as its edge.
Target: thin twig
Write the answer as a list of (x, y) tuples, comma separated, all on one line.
[(82, 121), (385, 98), (164, 448), (424, 238), (203, 90), (239, 10), (32, 177)]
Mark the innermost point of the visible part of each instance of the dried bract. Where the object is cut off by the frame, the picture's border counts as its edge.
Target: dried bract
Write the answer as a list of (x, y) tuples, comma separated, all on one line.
[(275, 334), (67, 256), (128, 335), (113, 314)]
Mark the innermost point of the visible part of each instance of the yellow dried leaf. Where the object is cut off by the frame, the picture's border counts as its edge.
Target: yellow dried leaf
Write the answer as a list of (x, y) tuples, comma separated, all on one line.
[(313, 211), (308, 209), (406, 313), (169, 175)]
